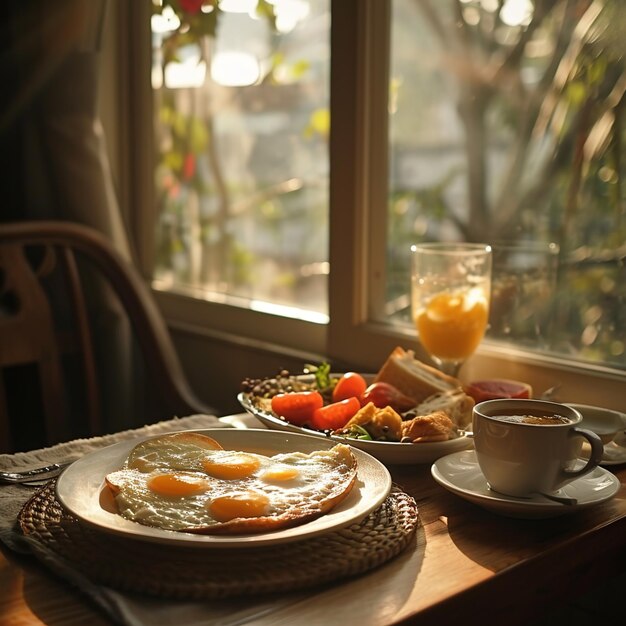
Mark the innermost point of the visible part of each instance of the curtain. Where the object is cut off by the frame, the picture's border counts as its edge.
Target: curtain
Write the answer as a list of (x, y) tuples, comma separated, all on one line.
[(54, 159)]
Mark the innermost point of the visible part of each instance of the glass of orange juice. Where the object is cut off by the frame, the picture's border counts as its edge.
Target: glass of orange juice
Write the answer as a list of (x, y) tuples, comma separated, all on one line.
[(450, 292)]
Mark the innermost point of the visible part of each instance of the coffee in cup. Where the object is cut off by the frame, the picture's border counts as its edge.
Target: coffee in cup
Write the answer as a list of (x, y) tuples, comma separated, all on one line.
[(526, 446)]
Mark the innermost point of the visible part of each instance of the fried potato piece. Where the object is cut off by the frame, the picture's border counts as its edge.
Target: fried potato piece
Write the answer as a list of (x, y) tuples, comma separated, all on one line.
[(382, 424), (436, 426)]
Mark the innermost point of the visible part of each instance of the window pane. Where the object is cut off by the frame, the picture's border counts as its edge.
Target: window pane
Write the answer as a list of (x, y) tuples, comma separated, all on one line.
[(508, 126), (241, 95)]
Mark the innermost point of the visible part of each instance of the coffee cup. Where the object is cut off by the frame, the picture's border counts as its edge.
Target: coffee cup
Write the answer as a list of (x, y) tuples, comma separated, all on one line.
[(525, 446)]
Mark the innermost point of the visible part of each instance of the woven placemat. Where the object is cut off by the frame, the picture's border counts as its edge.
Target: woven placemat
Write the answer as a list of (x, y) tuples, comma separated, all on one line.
[(210, 573)]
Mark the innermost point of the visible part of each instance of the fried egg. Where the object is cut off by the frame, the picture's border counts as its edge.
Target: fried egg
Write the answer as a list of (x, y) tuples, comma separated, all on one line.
[(184, 451), (184, 483)]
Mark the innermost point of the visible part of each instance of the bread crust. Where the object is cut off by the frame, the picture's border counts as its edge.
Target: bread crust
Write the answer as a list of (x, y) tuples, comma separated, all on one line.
[(412, 377)]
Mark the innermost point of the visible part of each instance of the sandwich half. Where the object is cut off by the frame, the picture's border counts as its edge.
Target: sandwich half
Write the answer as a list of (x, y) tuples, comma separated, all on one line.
[(414, 378)]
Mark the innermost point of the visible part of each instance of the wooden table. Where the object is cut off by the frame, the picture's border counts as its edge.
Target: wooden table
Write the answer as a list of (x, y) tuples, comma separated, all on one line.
[(467, 564)]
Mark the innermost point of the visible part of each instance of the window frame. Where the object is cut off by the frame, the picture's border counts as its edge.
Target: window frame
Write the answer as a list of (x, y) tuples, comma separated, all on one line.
[(358, 201)]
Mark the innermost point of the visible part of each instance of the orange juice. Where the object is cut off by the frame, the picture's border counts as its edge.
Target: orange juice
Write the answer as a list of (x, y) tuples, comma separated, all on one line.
[(452, 324)]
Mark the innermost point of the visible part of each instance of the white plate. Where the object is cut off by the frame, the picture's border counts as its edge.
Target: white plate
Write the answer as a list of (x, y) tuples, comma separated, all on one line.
[(80, 489), (610, 426), (460, 474), (606, 423), (389, 452), (614, 453)]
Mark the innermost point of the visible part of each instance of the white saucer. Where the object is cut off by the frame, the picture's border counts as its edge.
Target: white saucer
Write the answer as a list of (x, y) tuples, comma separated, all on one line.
[(460, 474)]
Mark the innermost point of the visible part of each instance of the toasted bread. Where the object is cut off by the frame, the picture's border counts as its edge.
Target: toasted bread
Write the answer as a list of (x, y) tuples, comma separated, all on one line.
[(455, 403), (413, 377)]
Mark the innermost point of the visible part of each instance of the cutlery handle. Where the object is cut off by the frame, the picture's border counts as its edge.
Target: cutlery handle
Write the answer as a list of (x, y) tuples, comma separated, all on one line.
[(48, 470)]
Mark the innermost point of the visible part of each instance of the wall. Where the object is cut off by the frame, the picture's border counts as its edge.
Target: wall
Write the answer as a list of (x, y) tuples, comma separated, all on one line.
[(215, 368)]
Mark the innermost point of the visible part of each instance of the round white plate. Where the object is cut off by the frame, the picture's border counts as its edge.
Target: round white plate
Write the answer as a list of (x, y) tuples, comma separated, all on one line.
[(460, 474), (81, 490), (606, 423), (389, 452), (610, 426), (614, 453)]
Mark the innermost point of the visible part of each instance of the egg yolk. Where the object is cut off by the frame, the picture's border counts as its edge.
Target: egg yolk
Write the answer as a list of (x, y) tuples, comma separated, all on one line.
[(236, 465), (279, 473), (177, 485), (249, 504)]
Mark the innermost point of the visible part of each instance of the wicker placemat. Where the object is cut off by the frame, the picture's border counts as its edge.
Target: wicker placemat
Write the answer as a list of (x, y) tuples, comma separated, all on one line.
[(209, 573)]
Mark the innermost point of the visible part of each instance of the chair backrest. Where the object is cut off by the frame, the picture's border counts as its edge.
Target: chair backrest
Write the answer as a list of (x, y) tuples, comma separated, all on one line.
[(61, 283)]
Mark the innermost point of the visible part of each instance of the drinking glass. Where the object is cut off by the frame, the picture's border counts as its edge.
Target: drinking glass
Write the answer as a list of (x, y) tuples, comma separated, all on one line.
[(450, 292), (523, 288)]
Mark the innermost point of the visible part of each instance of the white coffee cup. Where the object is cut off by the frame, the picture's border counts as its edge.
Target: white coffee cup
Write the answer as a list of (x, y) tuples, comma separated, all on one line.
[(525, 446)]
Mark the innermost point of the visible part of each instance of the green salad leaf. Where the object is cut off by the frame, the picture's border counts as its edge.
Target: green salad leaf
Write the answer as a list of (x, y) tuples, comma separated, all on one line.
[(358, 432), (321, 373)]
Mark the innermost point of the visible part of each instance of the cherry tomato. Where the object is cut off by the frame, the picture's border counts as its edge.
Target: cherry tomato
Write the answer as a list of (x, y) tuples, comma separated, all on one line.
[(383, 394), (349, 385), (297, 407), (335, 415)]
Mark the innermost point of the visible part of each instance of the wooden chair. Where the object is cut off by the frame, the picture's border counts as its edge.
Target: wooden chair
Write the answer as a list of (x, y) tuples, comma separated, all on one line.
[(50, 364)]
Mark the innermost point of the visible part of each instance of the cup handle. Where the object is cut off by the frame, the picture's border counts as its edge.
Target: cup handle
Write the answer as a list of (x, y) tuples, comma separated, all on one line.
[(597, 451)]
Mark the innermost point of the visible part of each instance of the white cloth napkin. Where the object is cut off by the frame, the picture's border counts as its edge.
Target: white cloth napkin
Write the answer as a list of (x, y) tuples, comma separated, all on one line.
[(123, 608)]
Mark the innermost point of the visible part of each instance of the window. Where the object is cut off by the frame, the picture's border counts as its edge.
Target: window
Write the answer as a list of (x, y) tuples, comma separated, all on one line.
[(506, 127), (529, 151), (241, 99)]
